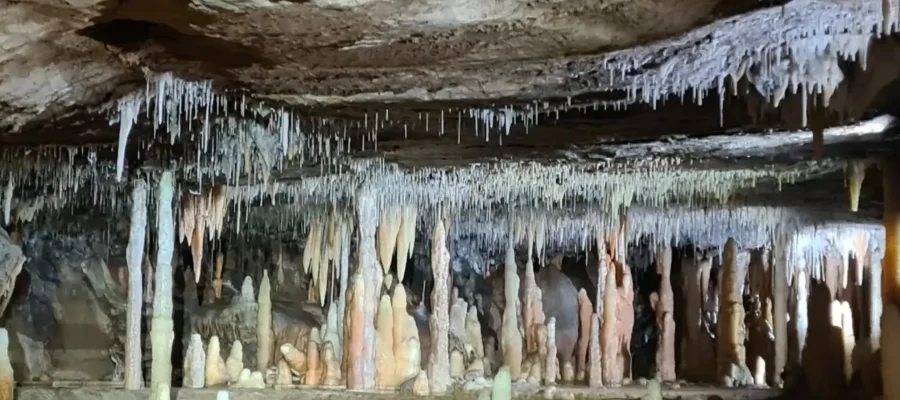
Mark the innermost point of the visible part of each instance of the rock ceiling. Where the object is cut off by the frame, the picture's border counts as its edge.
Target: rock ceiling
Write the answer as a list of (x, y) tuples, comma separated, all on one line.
[(612, 99)]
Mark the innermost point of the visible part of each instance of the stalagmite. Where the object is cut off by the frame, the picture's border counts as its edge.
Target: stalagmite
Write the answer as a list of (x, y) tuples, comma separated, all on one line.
[(848, 337), (502, 389), (533, 315), (420, 386), (235, 362), (779, 299), (473, 338), (195, 364), (162, 330), (332, 373), (585, 313), (295, 359), (609, 334), (800, 318), (283, 374), (215, 373), (7, 380), (624, 322), (511, 339), (458, 338), (314, 370), (250, 380), (384, 344), (331, 330), (874, 301), (354, 334), (439, 320), (856, 173), (406, 238), (264, 334), (361, 375), (731, 356), (663, 304), (7, 201), (406, 339), (135, 256), (595, 373), (551, 369)]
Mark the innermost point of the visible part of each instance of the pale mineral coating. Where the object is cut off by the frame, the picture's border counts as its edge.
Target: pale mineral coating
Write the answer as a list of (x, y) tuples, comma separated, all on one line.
[(439, 319), (234, 364), (585, 315), (215, 371), (134, 255), (315, 370), (364, 304), (595, 373), (385, 376), (551, 369), (7, 380), (780, 295), (264, 334), (355, 335), (332, 375), (665, 311), (510, 338), (162, 329), (624, 323), (195, 364), (730, 352)]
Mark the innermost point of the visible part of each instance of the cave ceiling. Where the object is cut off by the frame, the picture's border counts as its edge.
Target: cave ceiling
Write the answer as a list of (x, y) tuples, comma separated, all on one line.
[(454, 104)]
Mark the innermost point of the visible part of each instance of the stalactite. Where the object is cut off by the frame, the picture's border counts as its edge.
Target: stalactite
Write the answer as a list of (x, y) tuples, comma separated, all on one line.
[(406, 238), (384, 344), (439, 320), (731, 356), (663, 304), (264, 335), (235, 362), (7, 379), (195, 364), (217, 281), (391, 219), (162, 330), (215, 371), (511, 339), (135, 256), (847, 335), (585, 314), (856, 173), (800, 318)]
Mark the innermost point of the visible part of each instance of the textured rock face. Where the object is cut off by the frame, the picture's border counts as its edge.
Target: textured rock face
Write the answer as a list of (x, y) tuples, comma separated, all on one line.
[(68, 308)]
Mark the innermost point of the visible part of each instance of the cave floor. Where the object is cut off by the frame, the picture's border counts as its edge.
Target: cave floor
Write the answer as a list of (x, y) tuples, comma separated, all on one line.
[(113, 390)]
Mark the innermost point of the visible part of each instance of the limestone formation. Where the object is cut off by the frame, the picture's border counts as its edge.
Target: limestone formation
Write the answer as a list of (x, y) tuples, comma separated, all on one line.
[(731, 355), (234, 364), (216, 372), (551, 370), (595, 378), (250, 380), (406, 238), (439, 320), (420, 386), (532, 315), (384, 344), (332, 368), (502, 385), (283, 376), (407, 350), (510, 338), (585, 314), (162, 329), (624, 323), (264, 335), (473, 339), (294, 358), (609, 337), (663, 304), (459, 346), (134, 378), (354, 334), (217, 281), (314, 368), (7, 380), (195, 364)]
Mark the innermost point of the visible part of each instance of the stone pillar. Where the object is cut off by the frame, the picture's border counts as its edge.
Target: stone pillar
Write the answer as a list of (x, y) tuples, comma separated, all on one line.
[(361, 353), (663, 304), (875, 300), (134, 257), (439, 319), (731, 354), (890, 283), (779, 307), (161, 329)]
